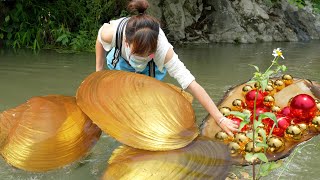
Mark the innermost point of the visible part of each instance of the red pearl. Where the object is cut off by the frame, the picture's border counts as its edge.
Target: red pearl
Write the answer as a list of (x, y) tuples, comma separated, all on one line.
[(303, 107), (285, 111), (283, 122), (251, 95), (278, 131), (268, 123), (238, 121), (260, 110)]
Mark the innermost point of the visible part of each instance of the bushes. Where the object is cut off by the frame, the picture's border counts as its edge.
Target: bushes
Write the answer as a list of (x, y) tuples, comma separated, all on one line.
[(66, 24)]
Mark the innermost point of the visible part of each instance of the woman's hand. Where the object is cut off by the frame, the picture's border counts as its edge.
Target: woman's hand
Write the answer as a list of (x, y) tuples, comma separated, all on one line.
[(201, 95), (228, 125)]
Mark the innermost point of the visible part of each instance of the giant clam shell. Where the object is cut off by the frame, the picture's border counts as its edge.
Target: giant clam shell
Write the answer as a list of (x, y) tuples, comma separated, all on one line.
[(300, 86), (202, 159), (46, 133), (138, 110)]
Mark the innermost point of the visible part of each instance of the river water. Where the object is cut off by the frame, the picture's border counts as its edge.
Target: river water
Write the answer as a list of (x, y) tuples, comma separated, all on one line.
[(216, 67)]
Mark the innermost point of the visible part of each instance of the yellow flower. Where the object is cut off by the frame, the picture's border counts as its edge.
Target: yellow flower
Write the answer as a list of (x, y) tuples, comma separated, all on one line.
[(277, 52)]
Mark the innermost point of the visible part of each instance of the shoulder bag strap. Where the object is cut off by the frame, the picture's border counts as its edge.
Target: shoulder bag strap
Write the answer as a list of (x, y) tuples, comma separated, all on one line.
[(152, 68), (119, 37)]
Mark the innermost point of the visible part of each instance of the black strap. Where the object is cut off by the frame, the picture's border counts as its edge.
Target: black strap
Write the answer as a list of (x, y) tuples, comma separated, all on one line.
[(119, 37), (152, 68), (117, 52)]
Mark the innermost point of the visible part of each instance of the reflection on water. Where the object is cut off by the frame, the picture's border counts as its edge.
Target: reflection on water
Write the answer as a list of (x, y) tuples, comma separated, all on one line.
[(216, 67)]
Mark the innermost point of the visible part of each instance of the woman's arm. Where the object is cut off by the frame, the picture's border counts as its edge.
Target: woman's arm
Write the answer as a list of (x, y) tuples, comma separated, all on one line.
[(202, 96), (100, 56), (178, 69), (105, 35)]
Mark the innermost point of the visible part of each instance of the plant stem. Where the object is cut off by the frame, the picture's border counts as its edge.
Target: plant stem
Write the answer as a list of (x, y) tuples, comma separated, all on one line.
[(274, 61), (270, 133), (254, 133)]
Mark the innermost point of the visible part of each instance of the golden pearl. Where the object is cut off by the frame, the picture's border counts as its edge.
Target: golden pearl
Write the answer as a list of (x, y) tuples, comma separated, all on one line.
[(293, 132), (287, 79), (246, 111), (270, 90), (225, 111), (223, 136), (318, 104), (275, 109), (315, 124), (279, 85), (304, 127), (234, 148), (268, 101), (276, 144), (241, 138), (246, 88), (249, 148), (237, 105)]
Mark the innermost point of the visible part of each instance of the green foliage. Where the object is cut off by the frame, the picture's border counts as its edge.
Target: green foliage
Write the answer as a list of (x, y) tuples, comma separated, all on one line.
[(63, 24), (316, 6), (298, 3), (302, 4), (267, 168), (261, 78)]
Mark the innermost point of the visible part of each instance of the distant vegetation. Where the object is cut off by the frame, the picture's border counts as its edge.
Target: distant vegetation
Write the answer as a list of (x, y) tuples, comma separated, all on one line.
[(63, 24), (55, 24)]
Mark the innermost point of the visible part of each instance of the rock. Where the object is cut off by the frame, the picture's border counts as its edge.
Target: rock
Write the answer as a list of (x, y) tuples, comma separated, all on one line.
[(237, 21)]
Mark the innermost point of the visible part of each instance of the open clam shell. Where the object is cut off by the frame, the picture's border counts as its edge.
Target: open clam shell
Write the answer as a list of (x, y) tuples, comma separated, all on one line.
[(202, 159), (127, 107), (46, 133), (209, 126)]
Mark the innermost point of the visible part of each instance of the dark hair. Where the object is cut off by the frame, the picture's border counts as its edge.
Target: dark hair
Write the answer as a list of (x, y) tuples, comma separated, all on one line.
[(142, 30)]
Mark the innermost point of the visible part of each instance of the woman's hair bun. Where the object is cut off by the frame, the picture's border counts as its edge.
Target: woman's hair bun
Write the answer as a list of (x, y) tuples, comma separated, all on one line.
[(138, 6)]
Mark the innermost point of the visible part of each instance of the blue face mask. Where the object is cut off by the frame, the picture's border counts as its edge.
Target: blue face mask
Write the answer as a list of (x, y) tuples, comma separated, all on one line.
[(137, 62)]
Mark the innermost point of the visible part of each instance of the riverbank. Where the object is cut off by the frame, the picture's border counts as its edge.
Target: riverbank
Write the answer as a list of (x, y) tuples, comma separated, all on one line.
[(238, 21)]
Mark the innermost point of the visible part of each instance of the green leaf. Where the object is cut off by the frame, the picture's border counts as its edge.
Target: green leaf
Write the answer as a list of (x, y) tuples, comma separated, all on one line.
[(268, 73), (62, 38), (7, 19), (262, 145), (263, 133), (250, 135), (257, 74), (264, 84), (261, 156), (275, 165), (268, 115), (9, 36), (238, 114), (249, 157), (252, 81), (265, 169), (283, 68), (256, 67), (242, 124), (257, 124), (34, 47)]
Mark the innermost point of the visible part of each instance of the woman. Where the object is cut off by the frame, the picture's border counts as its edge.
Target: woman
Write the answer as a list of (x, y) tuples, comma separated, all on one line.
[(137, 44)]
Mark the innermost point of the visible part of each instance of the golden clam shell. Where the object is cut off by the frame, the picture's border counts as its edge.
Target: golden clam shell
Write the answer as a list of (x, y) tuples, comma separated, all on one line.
[(202, 159), (126, 106), (46, 133)]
